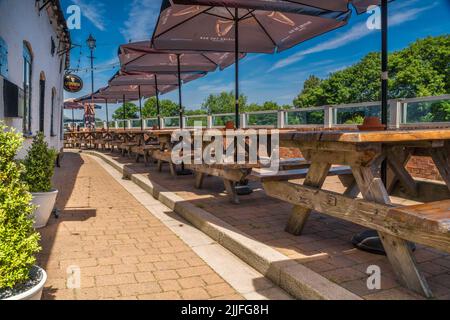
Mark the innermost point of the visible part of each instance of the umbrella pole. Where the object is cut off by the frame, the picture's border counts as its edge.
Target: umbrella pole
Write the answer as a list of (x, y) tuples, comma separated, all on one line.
[(73, 120), (124, 113), (360, 240), (183, 171), (384, 75), (158, 108), (107, 115), (179, 91), (236, 64), (242, 189), (140, 108)]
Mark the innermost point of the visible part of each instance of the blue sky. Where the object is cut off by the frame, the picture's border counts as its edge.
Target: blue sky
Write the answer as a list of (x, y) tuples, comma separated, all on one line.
[(276, 77)]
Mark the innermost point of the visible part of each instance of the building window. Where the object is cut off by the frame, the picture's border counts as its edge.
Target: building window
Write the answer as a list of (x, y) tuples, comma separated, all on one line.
[(27, 71), (42, 102), (3, 58), (52, 123), (52, 46)]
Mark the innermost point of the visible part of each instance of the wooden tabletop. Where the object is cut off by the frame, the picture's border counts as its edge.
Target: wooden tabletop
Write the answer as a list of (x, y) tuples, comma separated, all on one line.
[(389, 136)]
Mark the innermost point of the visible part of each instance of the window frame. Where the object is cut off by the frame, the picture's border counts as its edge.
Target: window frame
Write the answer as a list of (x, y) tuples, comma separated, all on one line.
[(52, 113), (3, 57), (27, 57)]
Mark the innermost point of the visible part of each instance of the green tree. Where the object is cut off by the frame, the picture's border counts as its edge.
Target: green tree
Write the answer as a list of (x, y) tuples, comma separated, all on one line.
[(39, 165), (310, 93), (168, 108), (421, 69), (223, 102), (19, 242), (131, 112)]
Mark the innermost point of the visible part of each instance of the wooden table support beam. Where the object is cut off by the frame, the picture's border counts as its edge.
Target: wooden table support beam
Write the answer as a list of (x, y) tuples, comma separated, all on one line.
[(317, 174)]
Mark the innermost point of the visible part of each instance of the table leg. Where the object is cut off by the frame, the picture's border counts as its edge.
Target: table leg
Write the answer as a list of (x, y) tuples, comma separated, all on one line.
[(230, 188), (160, 164), (397, 250), (137, 157), (173, 169), (199, 176), (146, 158), (317, 173), (397, 159)]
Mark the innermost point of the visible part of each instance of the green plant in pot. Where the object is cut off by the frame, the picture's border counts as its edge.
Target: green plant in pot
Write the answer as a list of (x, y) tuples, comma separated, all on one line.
[(19, 242), (39, 169)]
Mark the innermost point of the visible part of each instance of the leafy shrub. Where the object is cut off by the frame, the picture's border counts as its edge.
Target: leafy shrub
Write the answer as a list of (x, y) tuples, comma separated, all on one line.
[(19, 242), (39, 165), (357, 119)]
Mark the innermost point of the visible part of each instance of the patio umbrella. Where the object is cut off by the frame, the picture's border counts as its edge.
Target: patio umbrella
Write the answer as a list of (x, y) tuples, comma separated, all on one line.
[(132, 91), (362, 6), (142, 57), (251, 26), (154, 79), (122, 94), (72, 104)]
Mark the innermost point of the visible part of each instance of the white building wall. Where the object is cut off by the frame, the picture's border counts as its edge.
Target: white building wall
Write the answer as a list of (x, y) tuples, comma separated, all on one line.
[(20, 20)]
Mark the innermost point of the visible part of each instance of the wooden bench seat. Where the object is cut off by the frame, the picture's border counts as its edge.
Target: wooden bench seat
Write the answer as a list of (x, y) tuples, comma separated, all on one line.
[(145, 151), (294, 163), (286, 175), (430, 216)]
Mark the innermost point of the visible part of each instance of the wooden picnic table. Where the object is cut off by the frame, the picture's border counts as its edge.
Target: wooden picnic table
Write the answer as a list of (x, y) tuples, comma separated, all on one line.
[(232, 174), (364, 152)]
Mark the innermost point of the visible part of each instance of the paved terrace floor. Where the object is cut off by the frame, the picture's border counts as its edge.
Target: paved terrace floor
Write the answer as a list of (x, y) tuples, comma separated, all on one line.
[(124, 252), (324, 247)]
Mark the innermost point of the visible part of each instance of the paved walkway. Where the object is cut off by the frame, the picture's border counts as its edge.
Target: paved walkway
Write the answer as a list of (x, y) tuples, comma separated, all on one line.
[(325, 245), (120, 248)]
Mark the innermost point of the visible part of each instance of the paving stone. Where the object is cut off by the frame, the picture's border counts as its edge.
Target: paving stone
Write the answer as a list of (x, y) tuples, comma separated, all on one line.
[(114, 241)]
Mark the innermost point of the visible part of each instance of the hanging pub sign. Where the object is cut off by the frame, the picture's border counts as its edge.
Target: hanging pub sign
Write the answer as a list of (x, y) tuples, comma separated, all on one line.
[(72, 83)]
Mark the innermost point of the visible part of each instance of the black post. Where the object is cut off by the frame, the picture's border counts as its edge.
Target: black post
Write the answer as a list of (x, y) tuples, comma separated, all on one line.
[(236, 53), (179, 91), (107, 115), (124, 113), (92, 82), (158, 108), (140, 108), (384, 75), (73, 119)]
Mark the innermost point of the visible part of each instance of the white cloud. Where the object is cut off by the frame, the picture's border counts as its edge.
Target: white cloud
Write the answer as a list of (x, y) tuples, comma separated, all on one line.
[(141, 20), (355, 33), (93, 11), (219, 88)]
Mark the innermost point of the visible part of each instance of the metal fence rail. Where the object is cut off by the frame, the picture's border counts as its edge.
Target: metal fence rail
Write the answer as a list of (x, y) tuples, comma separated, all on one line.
[(424, 111)]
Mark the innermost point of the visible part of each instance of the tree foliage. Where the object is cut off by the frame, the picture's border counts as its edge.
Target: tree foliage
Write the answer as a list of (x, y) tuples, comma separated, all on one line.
[(223, 102), (39, 165), (422, 69), (131, 112), (168, 108), (19, 242)]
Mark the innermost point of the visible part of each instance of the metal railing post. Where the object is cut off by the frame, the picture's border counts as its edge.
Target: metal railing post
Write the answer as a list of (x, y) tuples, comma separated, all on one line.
[(209, 121), (243, 121), (281, 119), (328, 117), (395, 110), (404, 112)]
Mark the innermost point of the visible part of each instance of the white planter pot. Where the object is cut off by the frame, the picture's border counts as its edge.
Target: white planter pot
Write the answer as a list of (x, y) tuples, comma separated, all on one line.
[(45, 202), (34, 293)]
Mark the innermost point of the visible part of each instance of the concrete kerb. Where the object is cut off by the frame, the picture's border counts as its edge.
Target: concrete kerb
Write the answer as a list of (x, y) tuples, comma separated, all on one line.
[(298, 280)]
